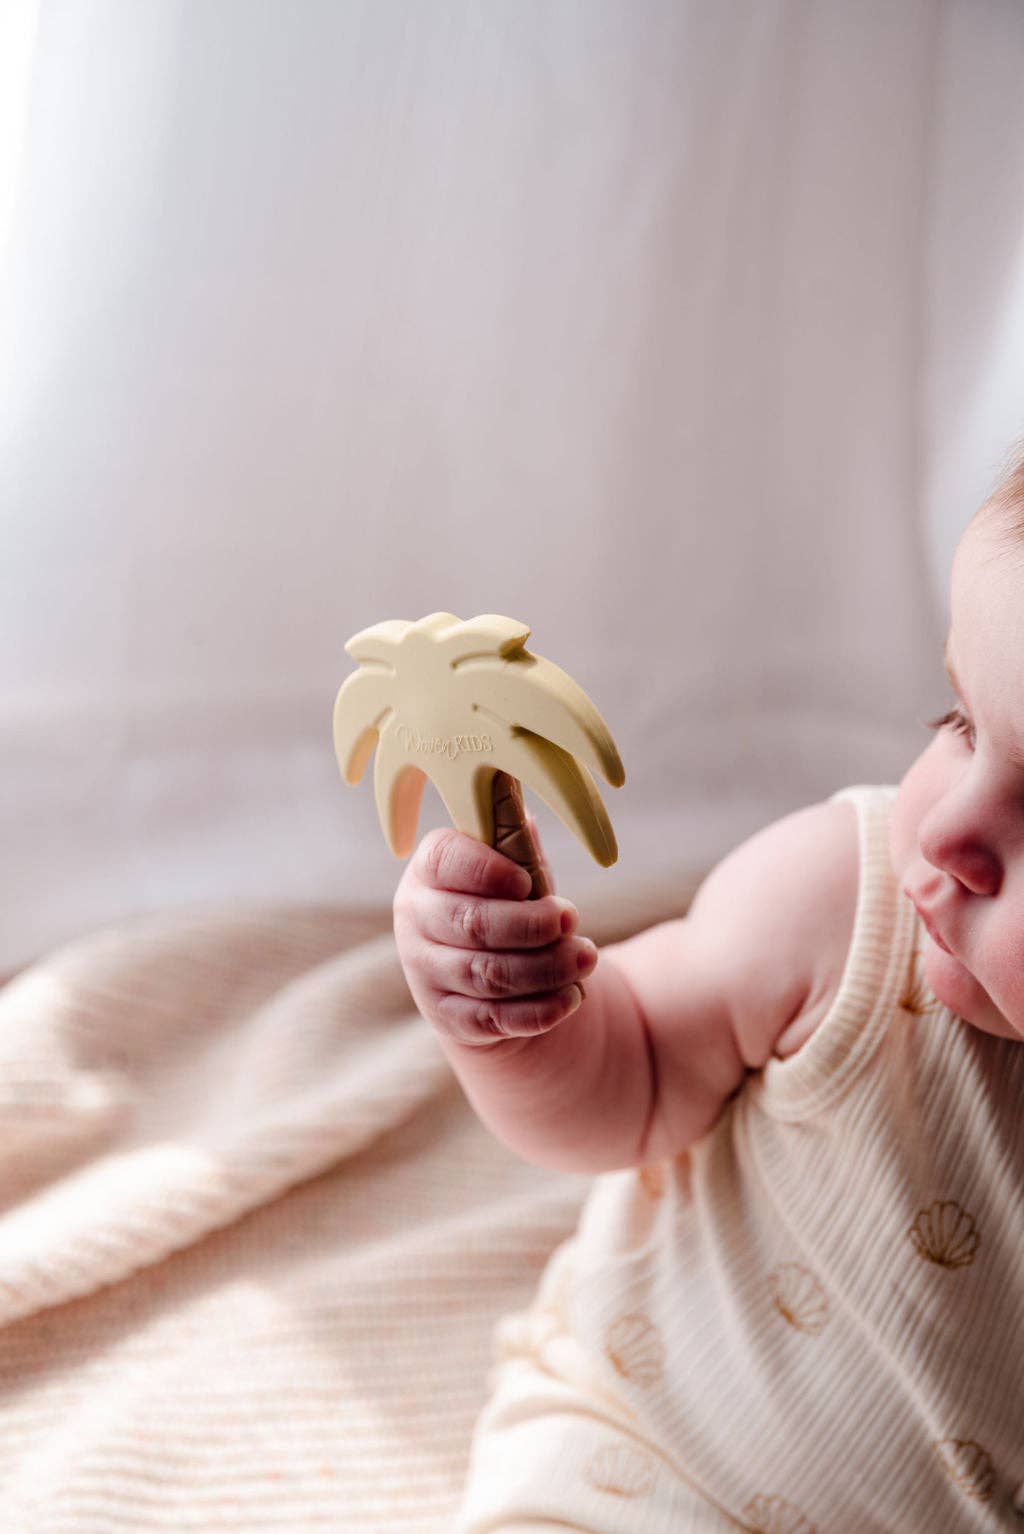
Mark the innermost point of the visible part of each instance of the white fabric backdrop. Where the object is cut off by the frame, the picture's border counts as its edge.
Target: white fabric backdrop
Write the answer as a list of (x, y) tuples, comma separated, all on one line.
[(690, 333)]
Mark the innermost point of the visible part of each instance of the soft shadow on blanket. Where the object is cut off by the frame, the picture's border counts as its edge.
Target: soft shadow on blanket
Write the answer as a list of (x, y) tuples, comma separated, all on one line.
[(253, 1241)]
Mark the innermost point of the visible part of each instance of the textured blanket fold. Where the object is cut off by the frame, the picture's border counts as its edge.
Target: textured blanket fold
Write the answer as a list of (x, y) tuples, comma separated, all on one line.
[(253, 1241)]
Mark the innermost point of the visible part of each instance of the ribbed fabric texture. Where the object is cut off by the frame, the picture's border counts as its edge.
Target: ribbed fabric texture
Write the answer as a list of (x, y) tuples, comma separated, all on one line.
[(253, 1241), (811, 1323)]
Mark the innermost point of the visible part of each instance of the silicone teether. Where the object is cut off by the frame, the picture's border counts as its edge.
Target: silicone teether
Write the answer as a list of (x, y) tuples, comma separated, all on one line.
[(467, 705)]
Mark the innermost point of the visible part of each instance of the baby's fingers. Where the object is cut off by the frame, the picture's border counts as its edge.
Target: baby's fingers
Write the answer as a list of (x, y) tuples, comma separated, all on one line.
[(463, 921), (477, 1022), (492, 976)]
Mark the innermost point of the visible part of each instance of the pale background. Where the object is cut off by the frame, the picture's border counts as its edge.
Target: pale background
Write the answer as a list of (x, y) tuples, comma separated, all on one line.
[(689, 333)]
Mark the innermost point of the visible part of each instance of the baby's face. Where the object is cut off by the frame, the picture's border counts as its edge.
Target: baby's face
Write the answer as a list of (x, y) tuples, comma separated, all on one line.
[(957, 833)]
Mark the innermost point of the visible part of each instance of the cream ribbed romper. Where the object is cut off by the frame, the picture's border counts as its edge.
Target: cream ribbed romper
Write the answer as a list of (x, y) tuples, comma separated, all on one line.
[(812, 1322)]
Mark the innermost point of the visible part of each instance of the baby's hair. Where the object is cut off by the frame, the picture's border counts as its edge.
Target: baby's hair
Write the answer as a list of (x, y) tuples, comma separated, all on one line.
[(1005, 505)]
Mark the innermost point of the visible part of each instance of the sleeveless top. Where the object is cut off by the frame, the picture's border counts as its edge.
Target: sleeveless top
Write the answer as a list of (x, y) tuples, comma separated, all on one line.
[(816, 1314)]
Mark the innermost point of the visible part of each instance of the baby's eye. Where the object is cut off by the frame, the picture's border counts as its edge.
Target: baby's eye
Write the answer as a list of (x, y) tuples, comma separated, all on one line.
[(957, 722)]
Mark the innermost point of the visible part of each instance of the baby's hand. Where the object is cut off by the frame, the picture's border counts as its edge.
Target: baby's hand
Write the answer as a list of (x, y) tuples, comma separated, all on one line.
[(482, 961)]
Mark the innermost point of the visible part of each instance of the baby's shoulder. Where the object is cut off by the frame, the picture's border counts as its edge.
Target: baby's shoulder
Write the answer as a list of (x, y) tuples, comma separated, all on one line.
[(791, 894), (826, 910)]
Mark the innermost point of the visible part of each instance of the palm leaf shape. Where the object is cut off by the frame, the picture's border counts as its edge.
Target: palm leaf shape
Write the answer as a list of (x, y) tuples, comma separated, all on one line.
[(458, 701)]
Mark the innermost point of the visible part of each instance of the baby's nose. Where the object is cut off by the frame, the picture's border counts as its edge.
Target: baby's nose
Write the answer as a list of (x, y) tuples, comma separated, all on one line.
[(963, 855)]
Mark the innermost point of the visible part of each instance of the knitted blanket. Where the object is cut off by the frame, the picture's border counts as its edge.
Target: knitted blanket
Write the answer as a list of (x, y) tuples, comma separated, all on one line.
[(253, 1241)]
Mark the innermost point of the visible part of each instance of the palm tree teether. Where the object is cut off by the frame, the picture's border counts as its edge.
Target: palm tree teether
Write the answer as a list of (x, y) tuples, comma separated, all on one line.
[(467, 705)]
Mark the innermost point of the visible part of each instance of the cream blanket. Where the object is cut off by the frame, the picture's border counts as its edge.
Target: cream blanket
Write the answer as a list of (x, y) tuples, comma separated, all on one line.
[(253, 1241)]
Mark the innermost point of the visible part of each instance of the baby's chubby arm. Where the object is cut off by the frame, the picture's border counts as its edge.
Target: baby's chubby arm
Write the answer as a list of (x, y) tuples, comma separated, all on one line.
[(673, 1018)]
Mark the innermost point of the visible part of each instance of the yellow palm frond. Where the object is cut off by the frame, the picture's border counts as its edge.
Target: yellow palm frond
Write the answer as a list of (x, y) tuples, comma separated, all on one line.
[(488, 635), (360, 711), (379, 642), (527, 692), (458, 702), (566, 787), (398, 788)]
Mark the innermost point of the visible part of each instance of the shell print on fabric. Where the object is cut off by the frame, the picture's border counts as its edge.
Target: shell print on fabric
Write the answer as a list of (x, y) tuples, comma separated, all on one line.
[(635, 1348), (773, 1515), (945, 1234), (621, 1471), (799, 1298), (968, 1464)]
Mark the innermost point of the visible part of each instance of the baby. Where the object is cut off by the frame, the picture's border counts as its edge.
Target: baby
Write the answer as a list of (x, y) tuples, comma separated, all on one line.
[(794, 1302)]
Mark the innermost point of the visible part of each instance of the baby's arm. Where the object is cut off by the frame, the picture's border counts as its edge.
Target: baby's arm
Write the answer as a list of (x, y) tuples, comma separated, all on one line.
[(673, 1017)]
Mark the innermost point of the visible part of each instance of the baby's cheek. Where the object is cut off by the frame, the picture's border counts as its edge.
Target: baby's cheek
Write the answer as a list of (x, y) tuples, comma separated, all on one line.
[(991, 994), (1005, 963)]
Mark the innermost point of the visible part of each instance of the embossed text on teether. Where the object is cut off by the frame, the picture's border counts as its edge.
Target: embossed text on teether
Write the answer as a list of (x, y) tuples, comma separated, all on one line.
[(440, 745)]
